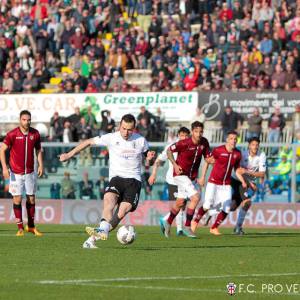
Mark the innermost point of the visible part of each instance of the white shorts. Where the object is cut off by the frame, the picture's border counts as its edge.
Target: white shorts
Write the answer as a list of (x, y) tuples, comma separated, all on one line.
[(186, 187), (217, 197), (18, 184)]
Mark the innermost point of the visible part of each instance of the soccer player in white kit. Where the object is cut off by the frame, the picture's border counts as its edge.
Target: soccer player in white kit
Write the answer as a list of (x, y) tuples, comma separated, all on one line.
[(182, 134), (253, 166), (126, 152)]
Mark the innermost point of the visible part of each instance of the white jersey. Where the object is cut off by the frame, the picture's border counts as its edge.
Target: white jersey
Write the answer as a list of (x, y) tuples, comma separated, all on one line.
[(125, 156), (163, 157), (255, 163)]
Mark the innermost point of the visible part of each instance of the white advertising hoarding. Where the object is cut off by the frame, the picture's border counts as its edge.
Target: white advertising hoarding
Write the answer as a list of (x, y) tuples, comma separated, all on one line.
[(176, 106)]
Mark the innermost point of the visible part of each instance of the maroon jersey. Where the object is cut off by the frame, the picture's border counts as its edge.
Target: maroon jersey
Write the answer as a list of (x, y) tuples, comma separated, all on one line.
[(22, 147), (189, 155), (225, 162)]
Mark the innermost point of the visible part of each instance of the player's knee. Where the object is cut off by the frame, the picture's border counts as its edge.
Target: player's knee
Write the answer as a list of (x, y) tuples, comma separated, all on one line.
[(180, 203), (226, 206), (195, 199), (247, 204), (206, 206)]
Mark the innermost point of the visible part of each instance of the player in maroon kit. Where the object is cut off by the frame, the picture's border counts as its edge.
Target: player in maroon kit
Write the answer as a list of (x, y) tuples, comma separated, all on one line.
[(218, 189), (186, 167), (22, 142)]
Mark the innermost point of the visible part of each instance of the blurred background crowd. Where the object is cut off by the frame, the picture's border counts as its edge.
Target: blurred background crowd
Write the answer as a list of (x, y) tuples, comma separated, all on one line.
[(186, 45)]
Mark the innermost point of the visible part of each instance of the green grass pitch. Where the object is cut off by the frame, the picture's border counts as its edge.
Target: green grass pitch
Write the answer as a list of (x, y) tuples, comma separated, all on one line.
[(56, 267)]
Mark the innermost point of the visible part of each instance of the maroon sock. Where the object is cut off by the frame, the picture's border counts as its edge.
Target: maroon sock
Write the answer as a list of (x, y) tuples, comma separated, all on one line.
[(18, 215), (201, 212), (220, 218), (189, 216), (172, 216), (30, 213)]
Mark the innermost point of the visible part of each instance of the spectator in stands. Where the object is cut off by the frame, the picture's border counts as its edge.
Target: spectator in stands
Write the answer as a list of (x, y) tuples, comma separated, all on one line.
[(86, 188), (296, 121), (55, 188), (145, 114), (254, 124), (116, 80), (74, 120), (56, 128), (101, 184), (108, 123), (276, 125), (67, 132), (67, 187), (7, 83), (144, 129), (84, 131), (190, 80), (231, 121)]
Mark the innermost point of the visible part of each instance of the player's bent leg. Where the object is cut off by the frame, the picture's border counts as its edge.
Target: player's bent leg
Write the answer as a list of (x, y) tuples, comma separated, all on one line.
[(223, 214), (101, 232), (241, 217), (194, 200), (234, 205), (165, 225), (109, 203)]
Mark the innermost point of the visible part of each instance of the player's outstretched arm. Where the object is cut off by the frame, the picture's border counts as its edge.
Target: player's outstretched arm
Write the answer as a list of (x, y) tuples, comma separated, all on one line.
[(5, 170), (66, 156)]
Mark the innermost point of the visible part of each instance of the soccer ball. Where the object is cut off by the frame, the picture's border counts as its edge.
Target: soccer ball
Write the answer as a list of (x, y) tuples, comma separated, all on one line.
[(126, 235)]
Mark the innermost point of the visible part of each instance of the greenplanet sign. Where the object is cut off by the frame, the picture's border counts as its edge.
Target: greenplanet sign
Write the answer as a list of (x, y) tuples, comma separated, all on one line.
[(147, 100), (176, 106)]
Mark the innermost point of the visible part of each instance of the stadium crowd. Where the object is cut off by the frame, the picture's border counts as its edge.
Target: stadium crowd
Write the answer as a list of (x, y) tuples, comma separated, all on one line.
[(189, 45)]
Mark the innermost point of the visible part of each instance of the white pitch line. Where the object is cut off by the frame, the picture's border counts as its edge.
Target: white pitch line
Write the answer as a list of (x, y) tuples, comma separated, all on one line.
[(124, 279)]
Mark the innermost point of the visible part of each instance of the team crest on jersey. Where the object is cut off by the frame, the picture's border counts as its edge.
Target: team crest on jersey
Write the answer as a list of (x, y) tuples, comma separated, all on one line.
[(234, 156), (117, 143), (201, 147), (133, 145), (31, 137)]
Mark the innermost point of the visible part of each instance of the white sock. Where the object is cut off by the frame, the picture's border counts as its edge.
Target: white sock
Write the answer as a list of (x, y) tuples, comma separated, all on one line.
[(241, 217), (179, 220), (166, 216), (91, 239), (105, 226)]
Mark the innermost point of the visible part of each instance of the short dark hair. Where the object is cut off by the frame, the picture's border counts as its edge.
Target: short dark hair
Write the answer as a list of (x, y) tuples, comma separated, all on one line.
[(197, 124), (232, 132), (184, 130), (25, 112), (128, 118), (254, 139)]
